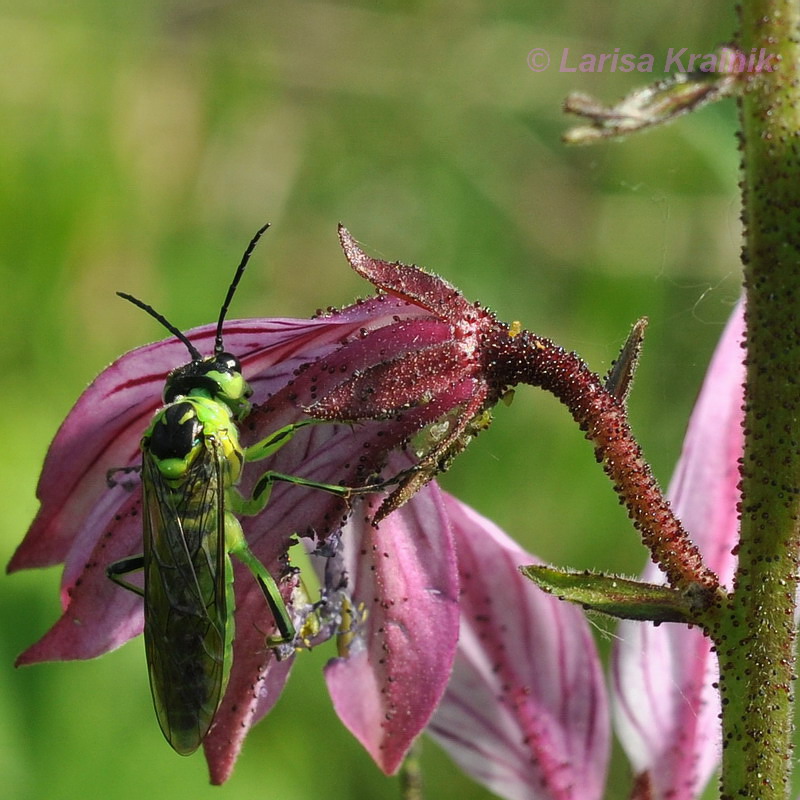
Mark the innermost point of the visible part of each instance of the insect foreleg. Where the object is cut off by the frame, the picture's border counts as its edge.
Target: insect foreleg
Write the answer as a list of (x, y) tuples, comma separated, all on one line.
[(125, 566), (236, 545), (272, 443)]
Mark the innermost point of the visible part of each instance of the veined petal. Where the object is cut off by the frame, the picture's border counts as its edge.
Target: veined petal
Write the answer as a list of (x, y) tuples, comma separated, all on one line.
[(407, 557), (104, 428), (329, 454), (256, 682), (86, 525), (97, 616), (525, 712), (666, 708), (399, 660)]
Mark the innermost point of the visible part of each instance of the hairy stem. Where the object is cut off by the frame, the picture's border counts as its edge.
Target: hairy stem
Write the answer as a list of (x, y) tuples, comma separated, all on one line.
[(531, 359), (755, 640)]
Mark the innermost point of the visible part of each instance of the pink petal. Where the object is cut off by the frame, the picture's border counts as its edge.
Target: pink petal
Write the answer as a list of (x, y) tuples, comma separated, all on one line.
[(325, 453), (404, 572), (525, 712), (666, 708), (256, 677), (98, 615), (104, 428), (87, 525), (256, 682)]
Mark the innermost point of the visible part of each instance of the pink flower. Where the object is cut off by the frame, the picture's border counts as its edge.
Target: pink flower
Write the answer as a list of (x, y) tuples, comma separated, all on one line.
[(395, 594), (87, 526), (666, 706), (525, 712)]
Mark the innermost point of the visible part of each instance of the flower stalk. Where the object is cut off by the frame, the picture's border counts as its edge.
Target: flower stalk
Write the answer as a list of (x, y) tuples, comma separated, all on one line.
[(411, 774), (539, 362), (473, 361), (756, 638)]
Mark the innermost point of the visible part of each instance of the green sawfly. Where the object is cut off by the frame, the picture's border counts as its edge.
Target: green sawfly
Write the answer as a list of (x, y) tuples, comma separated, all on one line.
[(192, 461)]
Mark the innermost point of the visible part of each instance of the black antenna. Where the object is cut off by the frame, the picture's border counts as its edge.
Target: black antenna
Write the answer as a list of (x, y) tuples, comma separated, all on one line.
[(218, 348), (193, 351)]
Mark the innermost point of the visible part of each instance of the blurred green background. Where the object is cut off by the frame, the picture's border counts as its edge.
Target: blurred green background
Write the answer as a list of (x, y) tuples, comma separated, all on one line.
[(143, 143)]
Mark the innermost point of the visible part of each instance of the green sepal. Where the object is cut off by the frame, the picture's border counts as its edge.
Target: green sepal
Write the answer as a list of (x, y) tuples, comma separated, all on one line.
[(618, 597)]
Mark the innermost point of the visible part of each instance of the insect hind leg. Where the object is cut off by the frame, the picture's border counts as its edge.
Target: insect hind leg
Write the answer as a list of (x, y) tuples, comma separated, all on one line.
[(237, 546), (125, 566), (126, 482)]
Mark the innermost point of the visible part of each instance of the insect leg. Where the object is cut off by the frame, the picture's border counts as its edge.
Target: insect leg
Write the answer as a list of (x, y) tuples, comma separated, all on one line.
[(262, 490), (125, 482), (125, 566), (237, 546), (272, 443)]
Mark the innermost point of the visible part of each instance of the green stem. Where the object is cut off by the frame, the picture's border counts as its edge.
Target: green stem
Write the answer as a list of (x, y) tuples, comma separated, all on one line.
[(755, 637), (411, 774)]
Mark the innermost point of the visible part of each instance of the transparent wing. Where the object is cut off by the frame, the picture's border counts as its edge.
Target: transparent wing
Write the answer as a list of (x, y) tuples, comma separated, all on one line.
[(188, 621)]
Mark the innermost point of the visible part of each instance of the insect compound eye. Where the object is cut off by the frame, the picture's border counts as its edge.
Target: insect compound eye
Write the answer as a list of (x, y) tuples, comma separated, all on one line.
[(228, 362), (231, 387)]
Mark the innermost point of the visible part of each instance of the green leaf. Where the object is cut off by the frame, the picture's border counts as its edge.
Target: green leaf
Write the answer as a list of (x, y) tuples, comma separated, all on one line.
[(615, 596)]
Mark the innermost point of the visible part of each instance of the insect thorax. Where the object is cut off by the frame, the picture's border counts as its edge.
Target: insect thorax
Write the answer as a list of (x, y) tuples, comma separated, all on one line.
[(191, 429)]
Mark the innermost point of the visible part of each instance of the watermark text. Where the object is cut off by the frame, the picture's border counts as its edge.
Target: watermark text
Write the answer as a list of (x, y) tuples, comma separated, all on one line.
[(676, 59)]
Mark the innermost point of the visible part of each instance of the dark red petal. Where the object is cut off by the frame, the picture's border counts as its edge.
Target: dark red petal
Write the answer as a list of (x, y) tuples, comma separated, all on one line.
[(104, 428), (408, 282), (88, 526), (383, 390)]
